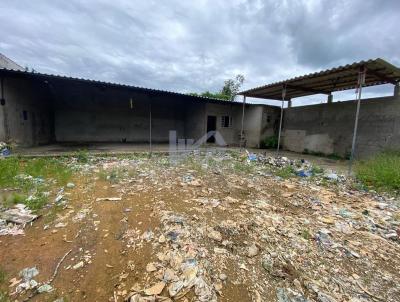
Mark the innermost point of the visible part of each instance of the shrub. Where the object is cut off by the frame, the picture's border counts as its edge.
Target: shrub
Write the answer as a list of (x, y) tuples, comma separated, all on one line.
[(270, 142)]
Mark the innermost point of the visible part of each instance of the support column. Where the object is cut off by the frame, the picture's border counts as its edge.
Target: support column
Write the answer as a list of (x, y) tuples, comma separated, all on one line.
[(4, 108), (241, 131), (150, 131), (330, 98), (290, 103), (396, 90), (280, 122), (361, 81)]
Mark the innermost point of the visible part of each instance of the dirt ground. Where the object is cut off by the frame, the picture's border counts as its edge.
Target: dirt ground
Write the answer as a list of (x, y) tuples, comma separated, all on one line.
[(219, 229)]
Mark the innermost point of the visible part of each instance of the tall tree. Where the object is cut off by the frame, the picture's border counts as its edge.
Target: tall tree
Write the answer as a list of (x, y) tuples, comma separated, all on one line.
[(229, 90), (231, 87)]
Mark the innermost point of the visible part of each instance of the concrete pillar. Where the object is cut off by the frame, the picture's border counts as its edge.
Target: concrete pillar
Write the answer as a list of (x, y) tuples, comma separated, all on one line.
[(396, 90), (330, 98), (289, 104)]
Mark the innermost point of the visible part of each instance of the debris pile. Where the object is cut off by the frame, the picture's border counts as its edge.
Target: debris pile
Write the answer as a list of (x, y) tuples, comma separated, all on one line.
[(13, 221)]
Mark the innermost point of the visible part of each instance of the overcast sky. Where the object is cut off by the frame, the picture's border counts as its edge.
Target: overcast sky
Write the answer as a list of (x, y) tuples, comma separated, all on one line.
[(194, 46)]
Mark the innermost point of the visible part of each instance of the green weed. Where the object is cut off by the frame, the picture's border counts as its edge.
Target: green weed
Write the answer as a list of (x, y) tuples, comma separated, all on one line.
[(3, 276), (381, 172), (82, 156), (317, 170), (243, 167), (306, 234), (32, 177), (286, 172), (12, 199)]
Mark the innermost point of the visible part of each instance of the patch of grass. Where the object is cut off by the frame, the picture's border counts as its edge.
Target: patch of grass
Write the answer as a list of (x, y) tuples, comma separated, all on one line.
[(37, 202), (270, 142), (114, 175), (306, 234), (3, 276), (4, 297), (44, 168), (12, 199), (286, 172), (381, 172), (52, 214), (32, 177), (243, 167), (82, 156), (193, 163), (317, 170)]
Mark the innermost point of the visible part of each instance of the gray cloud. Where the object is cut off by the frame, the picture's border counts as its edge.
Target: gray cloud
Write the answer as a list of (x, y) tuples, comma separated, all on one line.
[(195, 45)]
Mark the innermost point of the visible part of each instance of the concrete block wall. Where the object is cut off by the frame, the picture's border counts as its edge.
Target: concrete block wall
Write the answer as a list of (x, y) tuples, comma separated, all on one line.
[(26, 117), (328, 128), (41, 112), (258, 122)]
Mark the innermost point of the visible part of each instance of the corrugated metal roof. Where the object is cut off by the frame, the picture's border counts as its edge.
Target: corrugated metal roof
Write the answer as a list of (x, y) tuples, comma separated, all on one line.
[(6, 62), (378, 72), (45, 76)]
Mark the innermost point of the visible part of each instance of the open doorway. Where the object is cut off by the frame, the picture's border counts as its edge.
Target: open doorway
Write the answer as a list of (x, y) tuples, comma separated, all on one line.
[(211, 126)]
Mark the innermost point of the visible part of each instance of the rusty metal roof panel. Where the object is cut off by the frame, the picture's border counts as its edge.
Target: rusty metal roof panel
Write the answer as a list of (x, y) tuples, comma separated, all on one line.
[(378, 72), (45, 76)]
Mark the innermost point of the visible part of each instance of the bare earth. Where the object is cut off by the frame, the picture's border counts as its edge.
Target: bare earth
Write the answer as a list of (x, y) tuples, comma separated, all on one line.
[(219, 230)]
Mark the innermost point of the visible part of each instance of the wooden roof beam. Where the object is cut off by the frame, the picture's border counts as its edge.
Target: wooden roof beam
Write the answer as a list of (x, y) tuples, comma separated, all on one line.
[(382, 76), (306, 89)]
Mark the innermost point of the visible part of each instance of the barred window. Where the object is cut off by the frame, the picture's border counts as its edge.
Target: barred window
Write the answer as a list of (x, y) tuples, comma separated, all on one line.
[(226, 121)]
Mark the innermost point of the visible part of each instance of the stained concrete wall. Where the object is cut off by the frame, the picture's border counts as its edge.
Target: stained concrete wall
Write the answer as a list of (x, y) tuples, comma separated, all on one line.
[(98, 114), (328, 128), (26, 116), (258, 122), (74, 111)]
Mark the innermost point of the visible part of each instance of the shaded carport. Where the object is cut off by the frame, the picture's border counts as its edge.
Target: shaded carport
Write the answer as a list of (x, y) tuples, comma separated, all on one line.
[(352, 76)]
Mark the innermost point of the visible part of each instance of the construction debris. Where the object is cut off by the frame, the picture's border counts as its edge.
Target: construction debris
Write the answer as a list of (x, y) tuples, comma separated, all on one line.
[(13, 221), (226, 227)]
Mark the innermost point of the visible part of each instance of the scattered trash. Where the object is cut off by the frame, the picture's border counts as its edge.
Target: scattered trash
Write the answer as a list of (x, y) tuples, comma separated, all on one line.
[(45, 288), (109, 199), (156, 289), (70, 185), (332, 176), (252, 251), (303, 238), (5, 149), (303, 173), (80, 264)]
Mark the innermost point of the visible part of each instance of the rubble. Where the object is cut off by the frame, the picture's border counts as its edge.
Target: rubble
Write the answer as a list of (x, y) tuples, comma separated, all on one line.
[(13, 221)]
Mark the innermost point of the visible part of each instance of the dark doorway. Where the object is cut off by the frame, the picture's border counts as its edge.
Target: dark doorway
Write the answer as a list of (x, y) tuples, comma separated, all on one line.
[(211, 126)]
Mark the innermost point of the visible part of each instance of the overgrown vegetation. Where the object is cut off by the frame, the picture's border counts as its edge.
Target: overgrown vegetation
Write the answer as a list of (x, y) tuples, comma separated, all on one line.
[(270, 142), (31, 177), (286, 172), (3, 295), (82, 156), (381, 172)]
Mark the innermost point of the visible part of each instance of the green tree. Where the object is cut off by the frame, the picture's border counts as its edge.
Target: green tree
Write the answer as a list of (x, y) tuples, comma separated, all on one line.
[(229, 90), (231, 87)]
